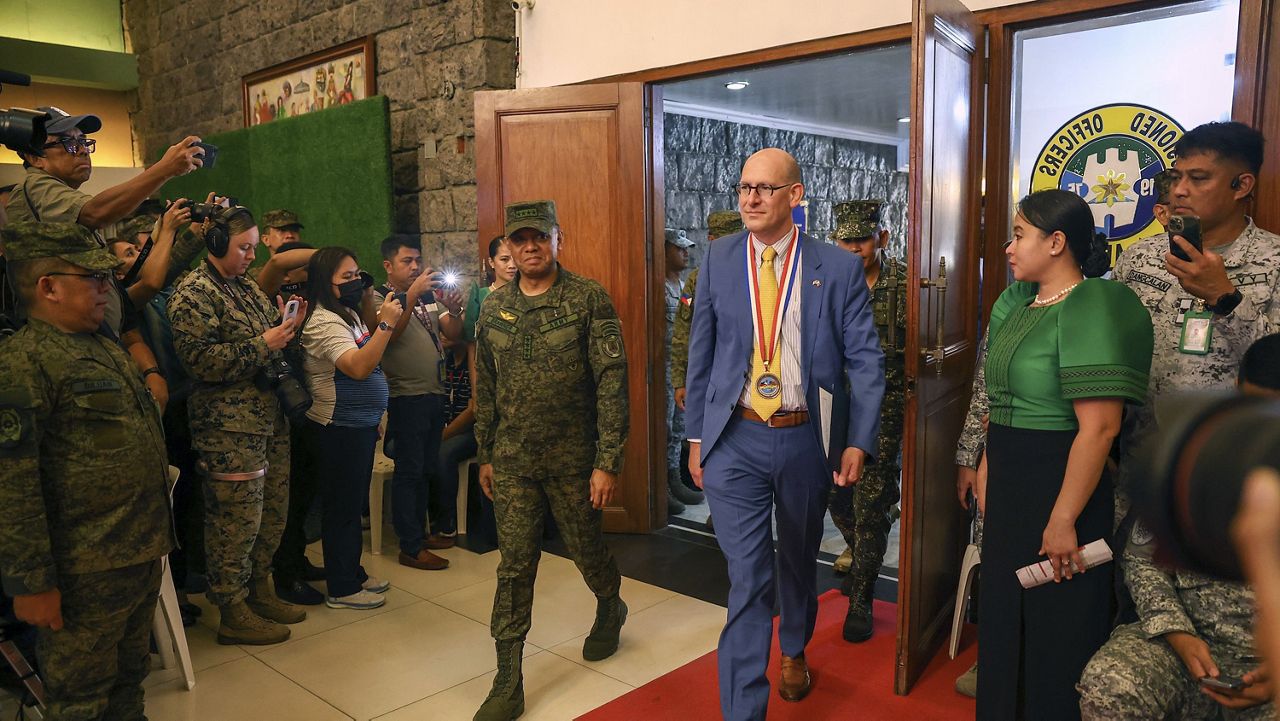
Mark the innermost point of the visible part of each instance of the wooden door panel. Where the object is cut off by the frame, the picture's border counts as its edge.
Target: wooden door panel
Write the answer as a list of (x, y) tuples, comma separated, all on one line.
[(588, 149), (942, 213)]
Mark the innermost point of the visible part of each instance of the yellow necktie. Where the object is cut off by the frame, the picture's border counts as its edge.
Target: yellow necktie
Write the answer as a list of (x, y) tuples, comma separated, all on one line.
[(768, 402)]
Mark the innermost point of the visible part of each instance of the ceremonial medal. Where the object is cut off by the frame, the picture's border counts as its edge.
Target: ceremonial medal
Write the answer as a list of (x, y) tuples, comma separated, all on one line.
[(768, 386)]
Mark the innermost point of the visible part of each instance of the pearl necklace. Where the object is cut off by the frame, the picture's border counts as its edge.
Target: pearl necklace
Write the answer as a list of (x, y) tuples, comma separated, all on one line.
[(1056, 296)]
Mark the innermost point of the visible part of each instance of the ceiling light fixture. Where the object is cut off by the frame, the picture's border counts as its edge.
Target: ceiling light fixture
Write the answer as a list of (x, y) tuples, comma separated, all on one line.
[(736, 85), (904, 119)]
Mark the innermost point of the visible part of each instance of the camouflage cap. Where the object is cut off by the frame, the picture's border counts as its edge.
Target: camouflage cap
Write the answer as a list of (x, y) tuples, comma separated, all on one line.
[(1164, 183), (72, 242), (130, 229), (281, 219), (723, 222), (537, 214), (856, 219), (678, 238)]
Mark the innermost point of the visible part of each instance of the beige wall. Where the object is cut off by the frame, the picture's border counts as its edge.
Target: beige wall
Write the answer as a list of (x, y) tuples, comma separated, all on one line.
[(115, 140), (568, 41)]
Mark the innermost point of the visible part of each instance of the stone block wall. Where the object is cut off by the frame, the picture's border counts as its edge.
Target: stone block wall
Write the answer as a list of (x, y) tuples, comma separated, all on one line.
[(703, 159), (432, 55)]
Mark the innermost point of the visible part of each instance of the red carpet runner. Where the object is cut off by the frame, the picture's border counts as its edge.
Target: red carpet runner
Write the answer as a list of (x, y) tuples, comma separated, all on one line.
[(850, 681)]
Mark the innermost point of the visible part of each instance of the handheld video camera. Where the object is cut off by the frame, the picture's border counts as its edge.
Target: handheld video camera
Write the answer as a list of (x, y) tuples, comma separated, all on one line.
[(21, 130)]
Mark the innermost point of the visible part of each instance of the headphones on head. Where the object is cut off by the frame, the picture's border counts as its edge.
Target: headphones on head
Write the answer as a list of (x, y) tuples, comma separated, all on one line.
[(218, 237)]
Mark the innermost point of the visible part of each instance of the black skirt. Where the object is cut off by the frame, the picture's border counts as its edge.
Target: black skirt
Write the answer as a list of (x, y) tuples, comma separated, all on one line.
[(1034, 643)]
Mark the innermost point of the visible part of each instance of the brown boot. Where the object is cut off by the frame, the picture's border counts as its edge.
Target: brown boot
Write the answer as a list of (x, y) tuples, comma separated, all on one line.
[(239, 625), (263, 601), (795, 681)]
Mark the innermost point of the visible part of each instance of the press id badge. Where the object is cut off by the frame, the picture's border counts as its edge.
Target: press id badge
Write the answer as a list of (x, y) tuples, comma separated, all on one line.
[(1197, 332)]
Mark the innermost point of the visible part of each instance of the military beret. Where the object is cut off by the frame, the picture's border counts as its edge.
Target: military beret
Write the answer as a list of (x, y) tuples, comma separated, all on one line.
[(856, 219), (537, 214), (281, 219), (72, 242), (723, 222)]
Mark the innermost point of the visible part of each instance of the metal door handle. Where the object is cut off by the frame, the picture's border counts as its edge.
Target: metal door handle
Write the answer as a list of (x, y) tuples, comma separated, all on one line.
[(937, 353)]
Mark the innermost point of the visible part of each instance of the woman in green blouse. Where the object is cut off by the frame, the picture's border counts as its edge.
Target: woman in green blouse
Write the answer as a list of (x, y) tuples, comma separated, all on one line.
[(1064, 355)]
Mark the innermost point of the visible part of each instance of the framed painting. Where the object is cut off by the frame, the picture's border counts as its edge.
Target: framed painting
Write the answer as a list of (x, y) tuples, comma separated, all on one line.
[(323, 79)]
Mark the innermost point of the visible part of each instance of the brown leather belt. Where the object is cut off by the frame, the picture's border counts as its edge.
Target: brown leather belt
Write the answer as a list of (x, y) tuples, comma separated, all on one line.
[(781, 419)]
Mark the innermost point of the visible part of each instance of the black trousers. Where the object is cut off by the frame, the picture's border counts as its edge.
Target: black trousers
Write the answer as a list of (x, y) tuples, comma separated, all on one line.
[(290, 557), (344, 458)]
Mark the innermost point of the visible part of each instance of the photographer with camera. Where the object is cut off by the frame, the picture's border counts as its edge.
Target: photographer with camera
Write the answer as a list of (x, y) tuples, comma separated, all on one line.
[(414, 364), (350, 389), (230, 337), (1192, 653)]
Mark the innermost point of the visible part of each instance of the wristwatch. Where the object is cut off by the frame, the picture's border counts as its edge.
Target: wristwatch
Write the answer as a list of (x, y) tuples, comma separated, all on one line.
[(383, 325), (1227, 303)]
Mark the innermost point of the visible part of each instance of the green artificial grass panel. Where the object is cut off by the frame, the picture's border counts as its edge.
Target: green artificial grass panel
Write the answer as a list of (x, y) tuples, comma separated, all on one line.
[(332, 167)]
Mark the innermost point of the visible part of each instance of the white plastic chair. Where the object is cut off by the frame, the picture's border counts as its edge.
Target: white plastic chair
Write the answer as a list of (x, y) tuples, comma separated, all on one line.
[(464, 478), (968, 569), (167, 627), (383, 468)]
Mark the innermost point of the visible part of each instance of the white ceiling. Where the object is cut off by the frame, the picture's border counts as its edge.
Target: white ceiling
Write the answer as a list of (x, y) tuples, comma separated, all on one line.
[(860, 93)]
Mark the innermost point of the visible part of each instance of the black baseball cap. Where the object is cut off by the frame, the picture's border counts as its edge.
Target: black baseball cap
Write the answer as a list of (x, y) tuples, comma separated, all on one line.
[(60, 121)]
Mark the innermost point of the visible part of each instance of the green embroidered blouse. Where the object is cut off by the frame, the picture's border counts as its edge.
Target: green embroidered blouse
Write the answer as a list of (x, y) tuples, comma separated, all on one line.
[(1095, 344)]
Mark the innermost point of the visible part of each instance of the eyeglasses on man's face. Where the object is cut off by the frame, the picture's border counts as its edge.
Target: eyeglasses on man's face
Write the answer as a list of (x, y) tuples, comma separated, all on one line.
[(100, 277), (73, 145), (764, 191)]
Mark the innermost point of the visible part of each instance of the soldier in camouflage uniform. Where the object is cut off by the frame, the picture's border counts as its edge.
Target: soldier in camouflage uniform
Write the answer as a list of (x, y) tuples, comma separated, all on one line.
[(551, 412), (969, 449), (1232, 287), (864, 512), (225, 332), (677, 259), (83, 479), (282, 227), (1188, 624)]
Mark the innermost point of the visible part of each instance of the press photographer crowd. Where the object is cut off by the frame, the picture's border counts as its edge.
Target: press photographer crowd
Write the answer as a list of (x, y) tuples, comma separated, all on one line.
[(138, 336)]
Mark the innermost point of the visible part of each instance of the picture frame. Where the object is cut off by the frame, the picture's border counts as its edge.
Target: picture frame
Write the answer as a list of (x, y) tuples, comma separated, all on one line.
[(335, 76)]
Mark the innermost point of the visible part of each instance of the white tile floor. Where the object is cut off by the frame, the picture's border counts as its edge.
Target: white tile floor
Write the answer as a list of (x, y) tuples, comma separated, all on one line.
[(427, 653)]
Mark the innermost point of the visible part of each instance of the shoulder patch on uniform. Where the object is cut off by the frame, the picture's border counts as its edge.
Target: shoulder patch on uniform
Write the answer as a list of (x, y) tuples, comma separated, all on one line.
[(96, 386), (13, 426), (608, 334)]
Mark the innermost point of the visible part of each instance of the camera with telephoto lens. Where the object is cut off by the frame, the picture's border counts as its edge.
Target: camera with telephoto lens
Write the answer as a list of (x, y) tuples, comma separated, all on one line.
[(1191, 472), (278, 377), (201, 212), (21, 130)]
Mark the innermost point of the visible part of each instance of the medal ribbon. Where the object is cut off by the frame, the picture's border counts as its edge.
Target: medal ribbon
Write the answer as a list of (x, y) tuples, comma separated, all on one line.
[(767, 339)]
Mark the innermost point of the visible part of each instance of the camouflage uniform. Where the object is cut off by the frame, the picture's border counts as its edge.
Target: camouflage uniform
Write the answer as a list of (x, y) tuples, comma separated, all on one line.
[(551, 405), (675, 416), (1253, 265), (1137, 675), (237, 427), (719, 224), (973, 437), (83, 481), (864, 512)]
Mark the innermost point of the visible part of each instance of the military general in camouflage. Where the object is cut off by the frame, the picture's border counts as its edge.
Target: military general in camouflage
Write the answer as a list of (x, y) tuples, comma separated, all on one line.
[(677, 260), (83, 479), (864, 512), (551, 421), (225, 332)]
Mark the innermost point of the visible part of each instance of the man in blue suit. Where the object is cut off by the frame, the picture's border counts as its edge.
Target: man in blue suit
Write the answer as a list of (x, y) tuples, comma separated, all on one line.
[(784, 387)]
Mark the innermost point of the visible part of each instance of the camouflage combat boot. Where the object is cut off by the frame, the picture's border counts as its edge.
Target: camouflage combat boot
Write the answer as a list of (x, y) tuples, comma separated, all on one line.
[(263, 601), (601, 643), (506, 698), (239, 625), (857, 623)]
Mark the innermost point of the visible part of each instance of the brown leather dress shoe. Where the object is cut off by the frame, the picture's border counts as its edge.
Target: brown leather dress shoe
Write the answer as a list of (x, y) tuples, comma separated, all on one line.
[(439, 541), (425, 560), (795, 682)]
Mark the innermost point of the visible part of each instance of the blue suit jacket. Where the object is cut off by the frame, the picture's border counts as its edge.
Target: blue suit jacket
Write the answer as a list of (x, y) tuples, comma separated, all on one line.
[(840, 351)]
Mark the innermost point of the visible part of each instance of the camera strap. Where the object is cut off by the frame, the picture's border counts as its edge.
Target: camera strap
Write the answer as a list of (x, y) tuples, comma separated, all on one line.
[(133, 273), (225, 286)]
